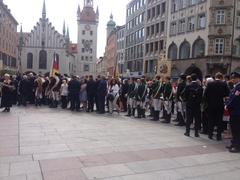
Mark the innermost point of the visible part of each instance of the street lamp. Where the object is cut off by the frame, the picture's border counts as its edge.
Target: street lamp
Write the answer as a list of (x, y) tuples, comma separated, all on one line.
[(20, 45)]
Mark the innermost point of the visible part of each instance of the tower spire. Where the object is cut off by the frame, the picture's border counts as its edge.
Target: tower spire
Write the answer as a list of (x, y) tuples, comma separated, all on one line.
[(78, 10), (68, 33), (44, 10), (64, 28), (88, 3)]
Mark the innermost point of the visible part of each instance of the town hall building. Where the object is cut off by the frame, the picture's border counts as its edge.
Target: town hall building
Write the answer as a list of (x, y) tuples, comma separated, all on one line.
[(44, 44)]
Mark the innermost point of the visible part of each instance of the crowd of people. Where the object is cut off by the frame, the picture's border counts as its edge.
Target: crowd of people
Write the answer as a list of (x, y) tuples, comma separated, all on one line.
[(204, 102)]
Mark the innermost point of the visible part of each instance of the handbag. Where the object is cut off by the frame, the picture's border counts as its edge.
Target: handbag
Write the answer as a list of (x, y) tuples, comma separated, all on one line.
[(110, 97)]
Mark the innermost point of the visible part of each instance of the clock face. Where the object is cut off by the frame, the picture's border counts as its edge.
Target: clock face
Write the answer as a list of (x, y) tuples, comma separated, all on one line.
[(87, 27)]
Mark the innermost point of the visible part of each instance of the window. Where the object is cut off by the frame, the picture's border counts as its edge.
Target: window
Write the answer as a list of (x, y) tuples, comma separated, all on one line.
[(42, 59), (158, 10), (220, 17), (157, 28), (152, 30), (83, 32), (202, 21), (219, 46), (86, 68), (153, 12), (238, 19), (83, 50), (174, 5), (147, 48), (162, 26), (163, 10), (82, 58), (156, 46), (173, 28), (29, 61), (183, 4), (181, 26), (191, 24), (184, 52), (193, 2), (172, 51), (149, 14), (91, 33), (161, 44), (198, 48)]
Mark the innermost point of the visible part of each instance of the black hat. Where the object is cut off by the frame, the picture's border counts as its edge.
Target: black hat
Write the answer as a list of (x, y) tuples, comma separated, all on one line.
[(235, 75), (183, 76)]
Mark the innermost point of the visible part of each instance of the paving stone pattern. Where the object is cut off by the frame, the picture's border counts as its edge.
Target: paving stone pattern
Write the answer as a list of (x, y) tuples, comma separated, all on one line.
[(46, 144)]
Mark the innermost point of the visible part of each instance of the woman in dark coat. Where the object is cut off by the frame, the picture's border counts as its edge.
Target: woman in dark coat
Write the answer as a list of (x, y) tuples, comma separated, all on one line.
[(7, 93)]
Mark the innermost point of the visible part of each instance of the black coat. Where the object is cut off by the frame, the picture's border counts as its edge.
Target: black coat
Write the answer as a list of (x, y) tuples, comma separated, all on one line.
[(74, 87), (91, 88), (24, 87), (215, 93), (7, 96), (124, 89), (193, 94), (102, 88)]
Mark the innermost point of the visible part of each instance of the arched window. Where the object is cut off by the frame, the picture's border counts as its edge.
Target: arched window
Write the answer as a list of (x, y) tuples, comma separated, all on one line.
[(172, 51), (237, 47), (29, 61), (42, 59), (184, 50), (198, 48)]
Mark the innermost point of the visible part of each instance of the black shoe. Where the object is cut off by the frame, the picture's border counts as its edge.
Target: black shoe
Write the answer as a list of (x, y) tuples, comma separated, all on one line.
[(204, 132), (180, 124), (210, 137), (197, 135), (229, 147), (234, 150), (187, 134), (166, 122), (219, 138), (5, 110)]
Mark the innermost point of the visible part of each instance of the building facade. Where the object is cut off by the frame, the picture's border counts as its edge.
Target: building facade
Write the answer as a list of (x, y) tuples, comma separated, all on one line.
[(87, 20), (156, 35), (101, 67), (111, 48), (8, 38), (44, 44), (203, 36), (134, 37), (120, 54)]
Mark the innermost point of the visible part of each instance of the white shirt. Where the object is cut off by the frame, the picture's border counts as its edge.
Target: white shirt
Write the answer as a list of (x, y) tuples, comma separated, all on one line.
[(115, 89), (64, 89)]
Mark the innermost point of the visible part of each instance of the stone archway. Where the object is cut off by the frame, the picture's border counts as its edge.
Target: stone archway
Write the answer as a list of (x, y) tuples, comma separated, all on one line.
[(194, 70)]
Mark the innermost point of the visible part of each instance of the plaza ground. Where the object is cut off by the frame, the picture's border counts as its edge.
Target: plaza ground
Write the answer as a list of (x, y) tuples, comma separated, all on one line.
[(47, 144)]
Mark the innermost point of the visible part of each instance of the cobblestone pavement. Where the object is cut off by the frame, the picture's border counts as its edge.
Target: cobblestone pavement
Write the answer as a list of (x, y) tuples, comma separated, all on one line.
[(46, 144)]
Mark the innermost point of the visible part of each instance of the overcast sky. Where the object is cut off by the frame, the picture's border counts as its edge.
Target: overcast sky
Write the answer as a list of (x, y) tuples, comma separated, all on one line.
[(28, 12)]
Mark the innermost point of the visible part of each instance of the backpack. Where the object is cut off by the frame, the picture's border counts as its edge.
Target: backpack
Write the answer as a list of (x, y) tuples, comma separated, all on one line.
[(195, 95)]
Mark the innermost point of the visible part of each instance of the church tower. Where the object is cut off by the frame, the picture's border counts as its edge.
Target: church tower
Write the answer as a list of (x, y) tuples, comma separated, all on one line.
[(110, 25), (87, 19)]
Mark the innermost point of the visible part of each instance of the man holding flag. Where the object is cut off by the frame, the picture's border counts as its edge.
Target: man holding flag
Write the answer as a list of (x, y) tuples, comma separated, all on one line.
[(55, 90)]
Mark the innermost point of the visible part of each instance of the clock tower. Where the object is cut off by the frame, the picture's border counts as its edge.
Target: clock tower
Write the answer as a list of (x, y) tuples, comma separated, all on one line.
[(87, 19)]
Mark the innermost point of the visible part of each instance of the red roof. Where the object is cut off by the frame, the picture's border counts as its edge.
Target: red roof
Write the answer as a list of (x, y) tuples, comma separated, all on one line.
[(88, 15)]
